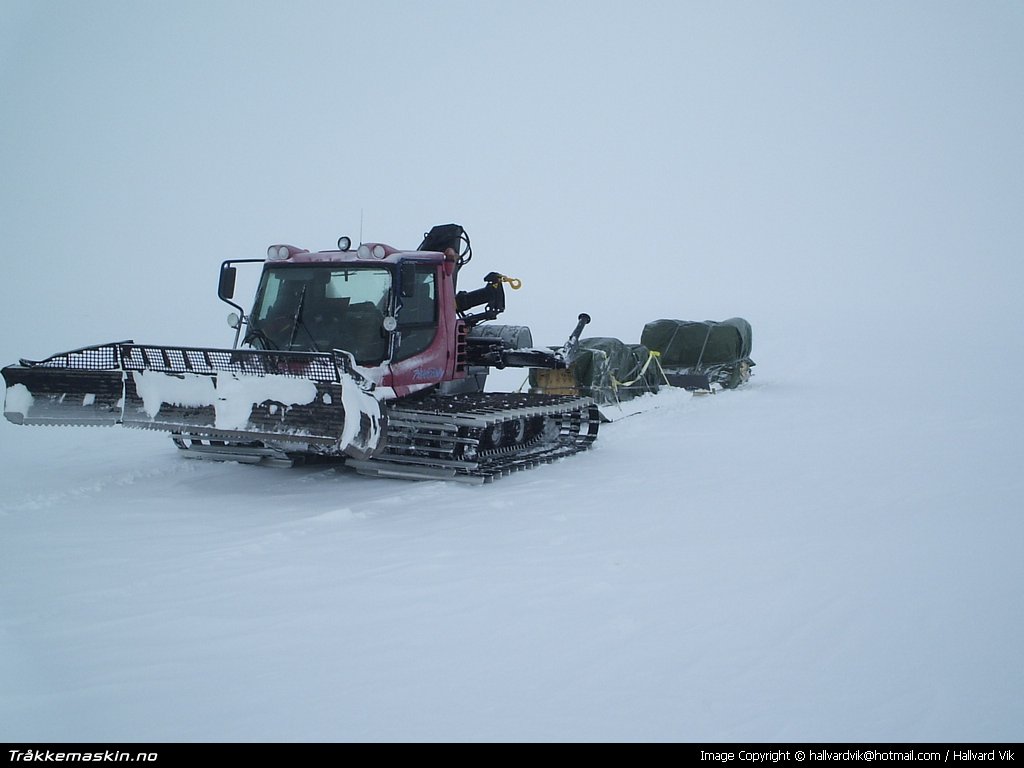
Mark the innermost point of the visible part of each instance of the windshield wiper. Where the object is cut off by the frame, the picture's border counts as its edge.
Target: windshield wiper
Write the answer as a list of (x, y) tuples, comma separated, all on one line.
[(298, 322), (255, 332)]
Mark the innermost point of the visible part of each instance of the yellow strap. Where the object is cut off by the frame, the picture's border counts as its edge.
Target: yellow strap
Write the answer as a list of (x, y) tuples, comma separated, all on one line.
[(652, 355)]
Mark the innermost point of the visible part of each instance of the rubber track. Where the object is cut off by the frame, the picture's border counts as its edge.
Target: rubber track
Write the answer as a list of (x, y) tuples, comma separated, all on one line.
[(452, 437)]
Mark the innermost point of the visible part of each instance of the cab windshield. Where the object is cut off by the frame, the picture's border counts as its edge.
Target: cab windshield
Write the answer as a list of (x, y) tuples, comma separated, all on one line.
[(319, 308)]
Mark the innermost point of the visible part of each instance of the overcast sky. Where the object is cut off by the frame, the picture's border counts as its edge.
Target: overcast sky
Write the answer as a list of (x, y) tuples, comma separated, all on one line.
[(789, 162)]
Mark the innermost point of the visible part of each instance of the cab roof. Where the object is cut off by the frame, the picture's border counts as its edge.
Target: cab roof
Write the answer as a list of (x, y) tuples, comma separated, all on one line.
[(367, 253)]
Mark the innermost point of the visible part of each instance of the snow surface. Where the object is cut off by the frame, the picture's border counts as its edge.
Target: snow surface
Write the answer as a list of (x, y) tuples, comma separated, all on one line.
[(819, 555), (831, 553)]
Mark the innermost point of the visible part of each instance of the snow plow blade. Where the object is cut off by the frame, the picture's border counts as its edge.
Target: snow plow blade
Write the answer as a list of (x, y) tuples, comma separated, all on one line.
[(309, 400)]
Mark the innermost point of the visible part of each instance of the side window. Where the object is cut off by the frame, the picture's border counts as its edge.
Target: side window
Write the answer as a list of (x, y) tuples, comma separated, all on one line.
[(417, 311), (270, 289)]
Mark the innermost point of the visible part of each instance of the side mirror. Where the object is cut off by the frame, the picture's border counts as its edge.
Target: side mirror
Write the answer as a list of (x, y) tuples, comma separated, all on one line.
[(390, 324), (226, 287), (234, 321)]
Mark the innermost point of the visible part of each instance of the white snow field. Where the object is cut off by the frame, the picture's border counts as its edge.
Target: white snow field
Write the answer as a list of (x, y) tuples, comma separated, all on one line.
[(831, 553)]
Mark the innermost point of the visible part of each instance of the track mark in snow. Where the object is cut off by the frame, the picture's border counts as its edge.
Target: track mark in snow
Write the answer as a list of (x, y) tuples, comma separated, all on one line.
[(343, 515), (85, 491), (502, 503)]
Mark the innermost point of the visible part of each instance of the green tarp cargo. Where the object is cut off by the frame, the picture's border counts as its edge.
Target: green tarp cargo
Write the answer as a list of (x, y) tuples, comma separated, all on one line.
[(606, 369), (697, 354), (687, 343)]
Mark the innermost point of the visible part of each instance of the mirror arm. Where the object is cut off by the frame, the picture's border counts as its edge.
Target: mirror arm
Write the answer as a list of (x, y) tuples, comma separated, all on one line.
[(226, 289)]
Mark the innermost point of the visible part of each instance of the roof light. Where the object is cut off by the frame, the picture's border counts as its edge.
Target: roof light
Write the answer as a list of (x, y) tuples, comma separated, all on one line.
[(374, 251), (281, 252)]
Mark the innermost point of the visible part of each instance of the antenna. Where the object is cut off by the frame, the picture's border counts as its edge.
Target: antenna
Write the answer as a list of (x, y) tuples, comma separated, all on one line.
[(360, 226)]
